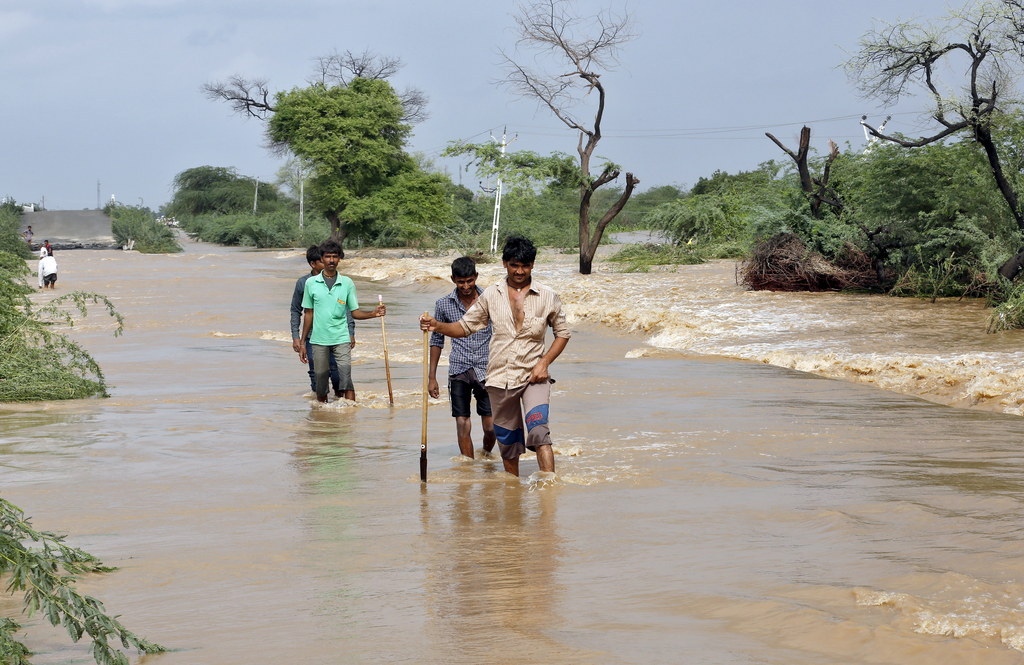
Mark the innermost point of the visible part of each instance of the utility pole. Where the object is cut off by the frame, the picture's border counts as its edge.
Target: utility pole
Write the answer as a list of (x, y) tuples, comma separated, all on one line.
[(497, 193), (302, 200), (255, 195), (97, 194), (870, 138)]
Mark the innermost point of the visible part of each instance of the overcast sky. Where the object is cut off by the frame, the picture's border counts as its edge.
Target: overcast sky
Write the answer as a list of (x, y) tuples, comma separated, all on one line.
[(108, 91)]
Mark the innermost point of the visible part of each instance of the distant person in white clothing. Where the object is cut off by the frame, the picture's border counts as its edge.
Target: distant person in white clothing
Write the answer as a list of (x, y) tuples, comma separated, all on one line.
[(48, 272)]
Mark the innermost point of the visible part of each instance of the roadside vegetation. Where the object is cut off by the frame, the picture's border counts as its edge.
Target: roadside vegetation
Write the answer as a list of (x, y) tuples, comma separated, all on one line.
[(37, 362), (136, 228), (934, 216)]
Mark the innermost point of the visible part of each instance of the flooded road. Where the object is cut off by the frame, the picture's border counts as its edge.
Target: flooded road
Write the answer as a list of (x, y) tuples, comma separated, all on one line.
[(708, 509)]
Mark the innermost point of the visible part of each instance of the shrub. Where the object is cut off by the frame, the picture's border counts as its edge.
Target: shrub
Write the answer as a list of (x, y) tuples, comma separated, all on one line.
[(137, 226)]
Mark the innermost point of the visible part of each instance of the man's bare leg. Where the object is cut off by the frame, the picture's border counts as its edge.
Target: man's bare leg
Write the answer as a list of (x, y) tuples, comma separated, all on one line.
[(464, 430), (489, 437), (350, 394), (511, 466), (546, 458)]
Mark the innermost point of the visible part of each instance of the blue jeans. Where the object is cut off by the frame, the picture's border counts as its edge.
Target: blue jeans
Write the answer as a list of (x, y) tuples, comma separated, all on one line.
[(335, 377)]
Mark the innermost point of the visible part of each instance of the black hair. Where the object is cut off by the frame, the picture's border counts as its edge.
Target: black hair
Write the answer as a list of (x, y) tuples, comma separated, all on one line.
[(520, 249), (331, 246), (463, 267), (313, 254)]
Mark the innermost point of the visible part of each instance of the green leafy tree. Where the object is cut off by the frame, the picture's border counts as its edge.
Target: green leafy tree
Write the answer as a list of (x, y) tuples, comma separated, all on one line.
[(136, 227), (917, 209), (898, 59), (205, 190), (411, 209), (350, 127), (724, 207), (641, 204), (353, 137)]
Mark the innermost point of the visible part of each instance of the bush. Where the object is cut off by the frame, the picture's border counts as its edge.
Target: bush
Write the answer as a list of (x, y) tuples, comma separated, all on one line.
[(11, 240), (36, 362), (276, 229), (1007, 300), (136, 225)]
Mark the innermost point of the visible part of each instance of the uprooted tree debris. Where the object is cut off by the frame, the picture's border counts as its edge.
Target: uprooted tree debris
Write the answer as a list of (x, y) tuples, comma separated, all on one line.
[(784, 263)]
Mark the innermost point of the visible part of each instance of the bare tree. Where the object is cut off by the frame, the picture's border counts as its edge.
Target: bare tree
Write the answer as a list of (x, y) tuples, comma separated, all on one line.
[(580, 46), (249, 97), (816, 190), (252, 97), (897, 60)]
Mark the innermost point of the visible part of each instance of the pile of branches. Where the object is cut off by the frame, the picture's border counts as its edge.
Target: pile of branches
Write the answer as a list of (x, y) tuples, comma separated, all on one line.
[(784, 263)]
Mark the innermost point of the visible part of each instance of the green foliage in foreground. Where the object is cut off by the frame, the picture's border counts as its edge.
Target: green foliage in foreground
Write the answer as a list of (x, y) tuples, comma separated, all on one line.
[(10, 236), (36, 361), (136, 225), (46, 569)]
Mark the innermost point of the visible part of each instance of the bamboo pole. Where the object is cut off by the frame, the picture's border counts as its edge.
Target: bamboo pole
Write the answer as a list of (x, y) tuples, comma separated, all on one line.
[(387, 364), (423, 436)]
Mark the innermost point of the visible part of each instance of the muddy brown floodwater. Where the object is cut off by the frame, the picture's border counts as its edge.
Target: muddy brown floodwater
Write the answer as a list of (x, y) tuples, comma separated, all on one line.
[(713, 505)]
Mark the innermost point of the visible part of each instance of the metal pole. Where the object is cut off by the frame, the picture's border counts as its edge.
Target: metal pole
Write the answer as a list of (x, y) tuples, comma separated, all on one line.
[(255, 195), (302, 201), (496, 220), (870, 139)]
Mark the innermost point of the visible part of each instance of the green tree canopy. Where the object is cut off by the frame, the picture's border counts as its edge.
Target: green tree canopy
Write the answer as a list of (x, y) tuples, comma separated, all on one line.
[(205, 190), (353, 137)]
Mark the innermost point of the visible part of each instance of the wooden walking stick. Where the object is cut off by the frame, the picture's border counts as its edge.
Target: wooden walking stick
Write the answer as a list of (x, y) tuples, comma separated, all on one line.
[(423, 437), (387, 365)]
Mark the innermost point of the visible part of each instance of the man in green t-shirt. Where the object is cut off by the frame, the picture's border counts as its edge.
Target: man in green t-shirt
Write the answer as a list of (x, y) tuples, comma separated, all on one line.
[(329, 296)]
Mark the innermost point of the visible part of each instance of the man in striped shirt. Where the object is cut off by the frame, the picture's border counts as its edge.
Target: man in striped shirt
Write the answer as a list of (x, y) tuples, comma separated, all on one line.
[(467, 363), (518, 382)]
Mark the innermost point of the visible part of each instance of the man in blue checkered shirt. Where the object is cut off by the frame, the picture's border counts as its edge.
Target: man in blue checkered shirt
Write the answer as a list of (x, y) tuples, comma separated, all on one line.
[(467, 363)]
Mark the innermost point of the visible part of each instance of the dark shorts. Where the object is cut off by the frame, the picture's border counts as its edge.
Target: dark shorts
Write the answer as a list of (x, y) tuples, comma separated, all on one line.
[(50, 279), (460, 387)]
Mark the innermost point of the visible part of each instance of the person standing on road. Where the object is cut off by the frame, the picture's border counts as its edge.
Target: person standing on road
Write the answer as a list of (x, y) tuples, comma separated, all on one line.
[(467, 364), (518, 381)]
